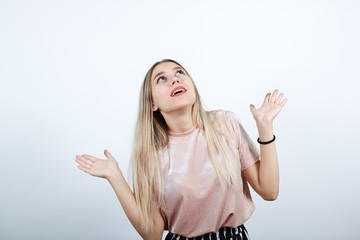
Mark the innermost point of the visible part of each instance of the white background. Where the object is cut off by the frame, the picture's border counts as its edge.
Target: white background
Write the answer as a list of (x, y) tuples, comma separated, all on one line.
[(70, 76)]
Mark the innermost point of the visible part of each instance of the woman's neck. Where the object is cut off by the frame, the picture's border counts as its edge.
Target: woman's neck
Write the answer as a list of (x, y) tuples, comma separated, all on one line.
[(179, 121)]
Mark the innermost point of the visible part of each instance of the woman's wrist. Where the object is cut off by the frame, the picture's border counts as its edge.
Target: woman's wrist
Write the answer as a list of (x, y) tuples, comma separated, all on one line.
[(115, 173), (265, 129)]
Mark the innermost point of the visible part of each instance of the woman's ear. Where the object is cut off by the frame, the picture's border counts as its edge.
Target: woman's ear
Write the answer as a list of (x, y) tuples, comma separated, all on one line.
[(154, 107)]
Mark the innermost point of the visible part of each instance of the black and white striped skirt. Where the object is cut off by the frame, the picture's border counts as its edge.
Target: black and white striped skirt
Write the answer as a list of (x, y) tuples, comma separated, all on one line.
[(225, 233)]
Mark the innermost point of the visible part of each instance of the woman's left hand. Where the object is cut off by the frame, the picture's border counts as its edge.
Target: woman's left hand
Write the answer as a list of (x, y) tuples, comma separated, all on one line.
[(270, 108)]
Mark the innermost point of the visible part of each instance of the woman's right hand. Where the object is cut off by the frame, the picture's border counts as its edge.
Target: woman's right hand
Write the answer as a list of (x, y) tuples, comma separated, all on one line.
[(97, 167)]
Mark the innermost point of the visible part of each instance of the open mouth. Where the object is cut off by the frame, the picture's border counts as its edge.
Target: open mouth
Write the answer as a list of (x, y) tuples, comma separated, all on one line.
[(178, 92)]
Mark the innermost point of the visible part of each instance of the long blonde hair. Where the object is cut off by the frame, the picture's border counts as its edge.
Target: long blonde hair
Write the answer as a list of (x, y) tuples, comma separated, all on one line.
[(151, 135)]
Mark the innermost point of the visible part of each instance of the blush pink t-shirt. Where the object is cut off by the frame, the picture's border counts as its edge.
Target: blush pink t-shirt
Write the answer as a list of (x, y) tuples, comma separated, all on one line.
[(195, 202)]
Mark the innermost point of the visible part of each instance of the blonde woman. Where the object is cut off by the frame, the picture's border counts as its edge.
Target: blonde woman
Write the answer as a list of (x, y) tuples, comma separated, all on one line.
[(191, 167)]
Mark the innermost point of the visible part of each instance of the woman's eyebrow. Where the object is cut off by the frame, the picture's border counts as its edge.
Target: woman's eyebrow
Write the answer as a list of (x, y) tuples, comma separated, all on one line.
[(175, 68)]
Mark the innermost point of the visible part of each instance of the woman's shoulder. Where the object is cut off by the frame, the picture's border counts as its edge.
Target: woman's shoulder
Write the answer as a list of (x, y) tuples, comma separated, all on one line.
[(221, 115), (224, 119)]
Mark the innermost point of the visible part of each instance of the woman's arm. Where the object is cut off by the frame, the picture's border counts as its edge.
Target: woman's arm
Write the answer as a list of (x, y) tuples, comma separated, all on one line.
[(264, 175), (128, 203), (109, 169)]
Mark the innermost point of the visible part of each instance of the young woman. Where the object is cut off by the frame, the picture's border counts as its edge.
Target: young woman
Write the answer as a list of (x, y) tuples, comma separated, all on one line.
[(191, 167)]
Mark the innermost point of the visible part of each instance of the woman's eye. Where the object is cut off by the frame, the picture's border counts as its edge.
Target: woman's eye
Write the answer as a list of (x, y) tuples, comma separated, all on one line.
[(180, 71), (159, 79)]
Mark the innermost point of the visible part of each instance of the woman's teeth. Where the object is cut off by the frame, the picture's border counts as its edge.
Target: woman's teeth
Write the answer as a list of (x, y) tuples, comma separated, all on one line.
[(178, 91)]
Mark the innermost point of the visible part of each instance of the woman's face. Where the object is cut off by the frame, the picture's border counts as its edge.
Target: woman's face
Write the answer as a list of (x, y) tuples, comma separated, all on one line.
[(172, 89)]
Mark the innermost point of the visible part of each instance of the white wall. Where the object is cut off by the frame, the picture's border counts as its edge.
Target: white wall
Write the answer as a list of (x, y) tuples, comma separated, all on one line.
[(70, 76)]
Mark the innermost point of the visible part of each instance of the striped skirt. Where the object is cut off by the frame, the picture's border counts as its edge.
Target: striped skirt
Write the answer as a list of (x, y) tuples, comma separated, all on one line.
[(225, 233)]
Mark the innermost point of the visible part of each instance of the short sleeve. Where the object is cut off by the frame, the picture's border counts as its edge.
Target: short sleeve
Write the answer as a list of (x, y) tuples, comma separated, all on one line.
[(248, 151)]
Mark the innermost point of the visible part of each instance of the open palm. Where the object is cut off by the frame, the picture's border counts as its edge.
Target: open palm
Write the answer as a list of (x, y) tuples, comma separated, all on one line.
[(97, 167), (270, 107)]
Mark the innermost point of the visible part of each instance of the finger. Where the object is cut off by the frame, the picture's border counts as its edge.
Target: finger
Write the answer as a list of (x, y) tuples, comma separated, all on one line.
[(273, 97), (83, 168), (89, 157), (283, 102), (108, 154), (279, 98), (83, 163), (252, 107), (85, 160), (267, 98)]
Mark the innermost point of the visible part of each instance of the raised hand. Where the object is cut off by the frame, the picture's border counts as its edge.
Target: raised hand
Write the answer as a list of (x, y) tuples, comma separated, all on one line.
[(270, 107), (97, 167)]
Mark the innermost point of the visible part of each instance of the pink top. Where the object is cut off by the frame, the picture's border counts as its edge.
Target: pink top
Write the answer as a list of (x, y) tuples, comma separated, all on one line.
[(194, 201)]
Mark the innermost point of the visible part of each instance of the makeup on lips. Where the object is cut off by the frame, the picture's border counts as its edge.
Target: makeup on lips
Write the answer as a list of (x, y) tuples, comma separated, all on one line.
[(177, 91)]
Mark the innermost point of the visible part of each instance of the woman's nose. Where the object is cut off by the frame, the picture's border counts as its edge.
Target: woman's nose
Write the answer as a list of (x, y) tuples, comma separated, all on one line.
[(174, 81)]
